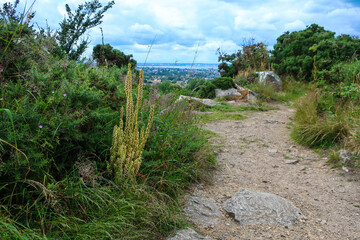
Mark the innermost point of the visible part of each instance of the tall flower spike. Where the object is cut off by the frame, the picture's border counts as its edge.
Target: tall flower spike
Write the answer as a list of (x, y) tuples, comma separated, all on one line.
[(128, 142)]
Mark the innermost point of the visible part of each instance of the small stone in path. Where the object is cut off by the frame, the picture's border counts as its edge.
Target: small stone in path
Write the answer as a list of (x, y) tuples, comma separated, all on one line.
[(291, 161), (202, 210), (188, 234)]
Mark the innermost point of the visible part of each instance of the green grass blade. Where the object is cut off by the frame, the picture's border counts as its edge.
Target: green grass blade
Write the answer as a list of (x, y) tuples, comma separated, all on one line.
[(11, 120)]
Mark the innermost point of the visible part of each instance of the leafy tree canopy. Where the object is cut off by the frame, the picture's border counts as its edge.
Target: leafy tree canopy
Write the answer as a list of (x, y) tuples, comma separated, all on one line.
[(297, 53), (85, 17), (105, 55), (9, 14)]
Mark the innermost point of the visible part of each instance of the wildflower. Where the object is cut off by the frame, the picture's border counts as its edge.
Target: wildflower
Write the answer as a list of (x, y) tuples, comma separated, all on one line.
[(64, 95), (40, 126), (52, 92)]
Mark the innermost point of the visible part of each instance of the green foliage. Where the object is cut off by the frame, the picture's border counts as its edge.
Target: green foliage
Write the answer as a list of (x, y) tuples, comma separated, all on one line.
[(223, 83), (224, 107), (253, 57), (176, 153), (345, 73), (15, 40), (105, 55), (58, 116), (71, 209), (167, 88), (75, 25), (129, 140), (291, 90), (314, 127), (298, 53), (207, 90), (56, 125)]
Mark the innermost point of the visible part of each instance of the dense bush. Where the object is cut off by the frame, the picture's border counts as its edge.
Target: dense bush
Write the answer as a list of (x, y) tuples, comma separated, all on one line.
[(312, 52), (56, 124), (223, 83), (105, 55)]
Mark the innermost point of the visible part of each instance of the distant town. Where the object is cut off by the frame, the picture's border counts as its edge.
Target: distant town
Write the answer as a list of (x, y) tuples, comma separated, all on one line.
[(178, 73)]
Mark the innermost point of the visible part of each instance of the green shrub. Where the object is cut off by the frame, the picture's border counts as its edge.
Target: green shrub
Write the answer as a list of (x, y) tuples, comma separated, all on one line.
[(207, 90), (345, 73), (56, 123), (297, 53), (167, 87), (252, 57), (223, 83), (176, 153)]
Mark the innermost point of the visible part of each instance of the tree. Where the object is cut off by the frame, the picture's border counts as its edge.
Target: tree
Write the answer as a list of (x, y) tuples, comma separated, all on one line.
[(297, 53), (85, 17), (9, 14), (105, 55), (252, 57), (16, 38)]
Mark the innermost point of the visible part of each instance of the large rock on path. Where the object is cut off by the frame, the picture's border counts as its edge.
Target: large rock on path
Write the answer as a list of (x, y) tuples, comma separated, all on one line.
[(202, 210), (250, 208), (205, 101), (188, 234), (270, 78), (227, 92)]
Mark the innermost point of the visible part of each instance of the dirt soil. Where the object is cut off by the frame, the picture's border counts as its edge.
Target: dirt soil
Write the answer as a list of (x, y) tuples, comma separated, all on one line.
[(259, 155)]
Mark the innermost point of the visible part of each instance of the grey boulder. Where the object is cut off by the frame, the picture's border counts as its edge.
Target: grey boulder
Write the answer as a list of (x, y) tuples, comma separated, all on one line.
[(202, 210), (205, 101), (269, 78), (250, 208), (227, 92)]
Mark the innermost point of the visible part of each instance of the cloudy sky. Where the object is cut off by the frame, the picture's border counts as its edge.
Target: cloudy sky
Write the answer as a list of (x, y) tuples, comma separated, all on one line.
[(180, 28)]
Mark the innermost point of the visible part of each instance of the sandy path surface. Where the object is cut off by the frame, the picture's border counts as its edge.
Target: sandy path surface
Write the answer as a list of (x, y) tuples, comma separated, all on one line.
[(256, 155)]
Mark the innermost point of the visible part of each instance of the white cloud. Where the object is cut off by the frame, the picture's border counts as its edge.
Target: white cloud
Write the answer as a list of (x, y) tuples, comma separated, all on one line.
[(295, 25), (180, 25), (341, 12), (144, 28)]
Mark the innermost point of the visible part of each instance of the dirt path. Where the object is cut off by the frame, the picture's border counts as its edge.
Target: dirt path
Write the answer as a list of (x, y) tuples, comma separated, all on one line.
[(256, 155)]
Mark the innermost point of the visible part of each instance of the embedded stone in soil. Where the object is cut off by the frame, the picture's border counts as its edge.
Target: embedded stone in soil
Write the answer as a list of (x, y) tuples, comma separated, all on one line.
[(250, 208)]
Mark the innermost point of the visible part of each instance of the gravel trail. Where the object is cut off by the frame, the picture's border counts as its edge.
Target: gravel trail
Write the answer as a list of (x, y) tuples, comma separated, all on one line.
[(258, 154)]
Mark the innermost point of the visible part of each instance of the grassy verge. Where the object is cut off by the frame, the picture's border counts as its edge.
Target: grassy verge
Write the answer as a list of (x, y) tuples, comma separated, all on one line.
[(65, 132), (291, 90), (217, 116), (224, 111), (320, 122)]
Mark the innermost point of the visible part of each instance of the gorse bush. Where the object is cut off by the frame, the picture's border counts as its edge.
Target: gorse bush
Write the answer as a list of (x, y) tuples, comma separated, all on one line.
[(223, 83), (59, 115), (105, 55), (57, 118), (297, 53)]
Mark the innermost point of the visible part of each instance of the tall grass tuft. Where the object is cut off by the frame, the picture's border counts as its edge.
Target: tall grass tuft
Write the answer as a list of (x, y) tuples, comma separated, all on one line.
[(317, 128)]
